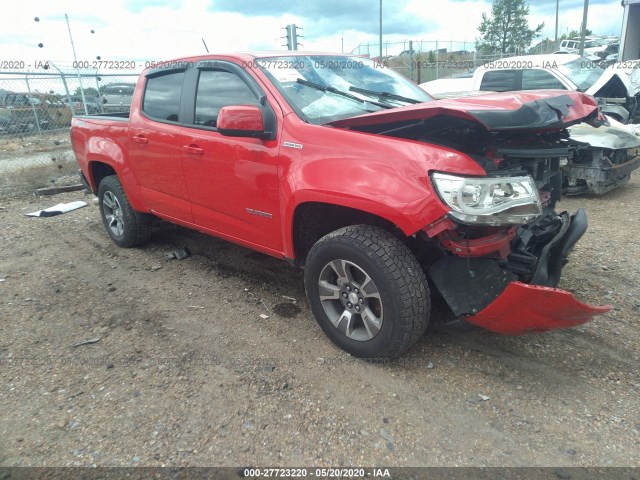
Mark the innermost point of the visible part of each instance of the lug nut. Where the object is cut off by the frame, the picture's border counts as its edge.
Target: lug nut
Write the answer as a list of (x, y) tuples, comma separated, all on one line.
[(357, 308), (356, 290), (348, 288), (349, 305), (362, 300), (344, 295)]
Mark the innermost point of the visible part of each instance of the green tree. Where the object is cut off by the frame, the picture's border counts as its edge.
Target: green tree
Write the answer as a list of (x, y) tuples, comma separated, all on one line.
[(89, 92), (507, 30), (574, 34)]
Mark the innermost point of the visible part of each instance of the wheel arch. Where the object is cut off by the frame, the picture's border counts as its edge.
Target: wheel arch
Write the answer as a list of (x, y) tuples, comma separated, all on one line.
[(313, 220)]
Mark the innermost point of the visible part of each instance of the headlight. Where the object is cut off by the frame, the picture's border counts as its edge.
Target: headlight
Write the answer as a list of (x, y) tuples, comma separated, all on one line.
[(489, 200)]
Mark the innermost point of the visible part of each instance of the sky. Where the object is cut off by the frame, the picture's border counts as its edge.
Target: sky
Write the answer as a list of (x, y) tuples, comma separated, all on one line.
[(163, 29)]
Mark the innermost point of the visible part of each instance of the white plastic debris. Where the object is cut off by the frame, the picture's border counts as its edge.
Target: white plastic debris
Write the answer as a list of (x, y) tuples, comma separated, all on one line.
[(58, 209)]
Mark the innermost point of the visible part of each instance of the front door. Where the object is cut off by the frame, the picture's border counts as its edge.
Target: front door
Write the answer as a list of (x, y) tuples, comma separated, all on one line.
[(232, 181)]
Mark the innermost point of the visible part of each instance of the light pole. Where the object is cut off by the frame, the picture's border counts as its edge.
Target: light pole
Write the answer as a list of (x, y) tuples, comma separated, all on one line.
[(380, 59), (557, 10), (584, 26), (75, 59)]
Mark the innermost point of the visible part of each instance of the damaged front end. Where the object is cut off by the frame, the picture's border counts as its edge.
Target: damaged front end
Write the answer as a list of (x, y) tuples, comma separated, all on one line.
[(500, 271), (498, 254)]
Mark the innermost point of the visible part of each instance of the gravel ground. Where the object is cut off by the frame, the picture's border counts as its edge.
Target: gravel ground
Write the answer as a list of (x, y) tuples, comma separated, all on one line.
[(182, 369)]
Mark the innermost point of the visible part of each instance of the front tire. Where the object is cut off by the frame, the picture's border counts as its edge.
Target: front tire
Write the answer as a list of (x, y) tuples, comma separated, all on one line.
[(367, 291), (126, 227)]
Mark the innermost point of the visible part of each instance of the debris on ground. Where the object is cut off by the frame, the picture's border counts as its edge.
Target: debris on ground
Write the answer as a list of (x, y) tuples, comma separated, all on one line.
[(179, 254), (58, 209), (87, 342)]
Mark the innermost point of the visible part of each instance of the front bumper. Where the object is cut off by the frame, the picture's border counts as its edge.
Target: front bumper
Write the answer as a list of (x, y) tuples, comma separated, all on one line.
[(600, 179), (523, 308), (491, 292)]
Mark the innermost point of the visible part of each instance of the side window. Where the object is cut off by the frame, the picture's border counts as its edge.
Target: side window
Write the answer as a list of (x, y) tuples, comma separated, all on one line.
[(539, 80), (217, 89), (500, 81), (162, 96)]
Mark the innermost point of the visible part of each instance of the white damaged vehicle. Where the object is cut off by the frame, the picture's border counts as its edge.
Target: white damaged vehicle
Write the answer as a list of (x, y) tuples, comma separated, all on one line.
[(604, 153), (616, 87)]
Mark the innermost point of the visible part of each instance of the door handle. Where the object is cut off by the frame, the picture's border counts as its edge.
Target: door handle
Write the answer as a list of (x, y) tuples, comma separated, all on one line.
[(140, 139), (194, 149)]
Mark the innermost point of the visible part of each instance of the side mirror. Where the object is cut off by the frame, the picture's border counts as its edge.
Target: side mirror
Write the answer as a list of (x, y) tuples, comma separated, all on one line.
[(241, 121)]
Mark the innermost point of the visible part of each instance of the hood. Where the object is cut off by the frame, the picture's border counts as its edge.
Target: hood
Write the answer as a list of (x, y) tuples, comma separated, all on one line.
[(605, 136), (614, 82), (522, 111)]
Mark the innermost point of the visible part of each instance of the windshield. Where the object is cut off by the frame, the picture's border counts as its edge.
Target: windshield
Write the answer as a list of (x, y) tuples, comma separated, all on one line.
[(594, 43), (323, 88), (582, 73)]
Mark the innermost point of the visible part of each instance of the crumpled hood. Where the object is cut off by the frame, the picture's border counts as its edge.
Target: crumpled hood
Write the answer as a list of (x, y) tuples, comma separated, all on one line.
[(522, 111)]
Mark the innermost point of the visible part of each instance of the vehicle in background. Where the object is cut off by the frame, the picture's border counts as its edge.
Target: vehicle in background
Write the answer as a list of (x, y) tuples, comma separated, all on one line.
[(348, 169), (615, 87), (603, 155), (570, 46), (630, 38), (57, 111), (116, 97), (93, 105), (610, 55), (593, 46), (23, 112)]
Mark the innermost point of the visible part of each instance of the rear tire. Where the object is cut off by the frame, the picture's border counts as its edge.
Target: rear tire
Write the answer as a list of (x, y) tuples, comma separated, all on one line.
[(125, 226), (367, 291)]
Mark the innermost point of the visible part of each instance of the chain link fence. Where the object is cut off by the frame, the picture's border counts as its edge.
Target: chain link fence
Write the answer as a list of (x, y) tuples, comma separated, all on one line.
[(41, 102), (426, 60), (36, 103)]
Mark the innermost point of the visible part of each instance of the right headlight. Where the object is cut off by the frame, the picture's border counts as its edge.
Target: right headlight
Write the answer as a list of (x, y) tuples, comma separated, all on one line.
[(489, 200)]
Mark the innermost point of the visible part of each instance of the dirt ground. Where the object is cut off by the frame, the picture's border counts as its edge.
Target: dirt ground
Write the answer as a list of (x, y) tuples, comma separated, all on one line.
[(183, 370)]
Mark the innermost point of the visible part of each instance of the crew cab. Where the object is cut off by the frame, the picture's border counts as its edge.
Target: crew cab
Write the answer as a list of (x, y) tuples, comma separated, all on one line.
[(349, 170)]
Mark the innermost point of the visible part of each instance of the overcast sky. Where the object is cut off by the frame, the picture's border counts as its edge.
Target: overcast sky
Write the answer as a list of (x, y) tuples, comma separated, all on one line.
[(163, 29)]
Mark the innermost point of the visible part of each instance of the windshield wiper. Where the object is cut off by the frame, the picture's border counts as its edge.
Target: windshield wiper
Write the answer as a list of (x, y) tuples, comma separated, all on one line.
[(380, 95), (322, 88)]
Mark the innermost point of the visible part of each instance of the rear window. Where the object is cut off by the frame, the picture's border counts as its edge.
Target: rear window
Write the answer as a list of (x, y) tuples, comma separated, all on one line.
[(540, 80), (162, 96), (500, 81), (119, 90)]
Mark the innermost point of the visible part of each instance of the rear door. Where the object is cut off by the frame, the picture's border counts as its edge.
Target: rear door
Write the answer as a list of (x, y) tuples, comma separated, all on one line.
[(232, 181), (155, 147)]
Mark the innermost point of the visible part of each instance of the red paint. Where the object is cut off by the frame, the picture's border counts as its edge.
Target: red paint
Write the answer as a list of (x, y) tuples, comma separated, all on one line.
[(523, 308), (242, 117), (247, 190), (497, 244)]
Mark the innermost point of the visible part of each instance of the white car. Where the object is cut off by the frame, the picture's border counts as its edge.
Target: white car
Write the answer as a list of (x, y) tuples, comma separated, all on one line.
[(618, 86)]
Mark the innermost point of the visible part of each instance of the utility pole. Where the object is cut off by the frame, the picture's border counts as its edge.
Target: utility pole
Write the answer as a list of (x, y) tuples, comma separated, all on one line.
[(584, 26), (73, 48), (292, 36), (380, 59), (557, 11)]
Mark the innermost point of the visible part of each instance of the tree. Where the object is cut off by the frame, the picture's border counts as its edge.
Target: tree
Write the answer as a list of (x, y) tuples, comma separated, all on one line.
[(89, 92), (574, 34), (507, 29)]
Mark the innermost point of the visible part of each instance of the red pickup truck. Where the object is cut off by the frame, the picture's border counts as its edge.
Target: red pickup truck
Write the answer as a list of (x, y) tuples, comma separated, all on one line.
[(349, 170)]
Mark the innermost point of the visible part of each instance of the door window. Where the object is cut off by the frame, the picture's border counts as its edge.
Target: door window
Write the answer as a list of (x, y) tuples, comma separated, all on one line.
[(162, 96), (217, 89)]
